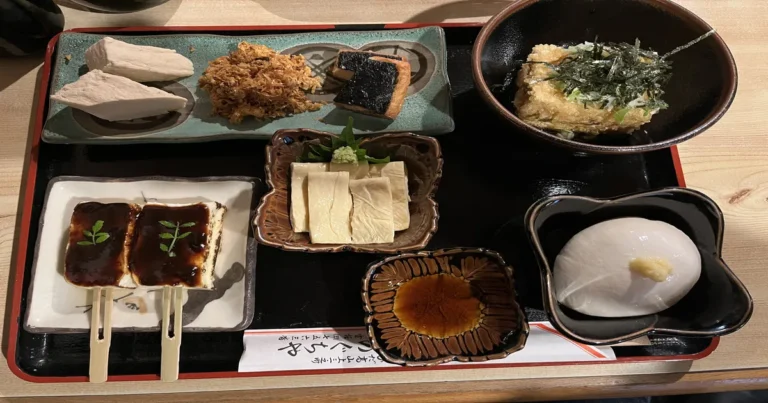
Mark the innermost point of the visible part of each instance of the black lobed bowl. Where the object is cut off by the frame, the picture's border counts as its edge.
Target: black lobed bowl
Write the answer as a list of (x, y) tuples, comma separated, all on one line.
[(718, 304), (701, 90)]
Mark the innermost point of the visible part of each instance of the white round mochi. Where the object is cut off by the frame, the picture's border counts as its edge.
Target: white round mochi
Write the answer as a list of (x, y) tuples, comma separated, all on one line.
[(592, 273)]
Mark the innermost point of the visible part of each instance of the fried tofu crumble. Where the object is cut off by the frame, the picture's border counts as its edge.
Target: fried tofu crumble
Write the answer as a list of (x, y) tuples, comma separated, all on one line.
[(254, 80)]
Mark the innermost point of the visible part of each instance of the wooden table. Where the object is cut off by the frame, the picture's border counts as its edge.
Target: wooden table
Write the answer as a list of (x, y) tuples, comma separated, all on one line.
[(729, 163)]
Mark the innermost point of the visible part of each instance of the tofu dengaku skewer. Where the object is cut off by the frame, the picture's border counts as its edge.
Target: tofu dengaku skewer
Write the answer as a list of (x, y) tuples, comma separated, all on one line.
[(100, 238), (176, 247)]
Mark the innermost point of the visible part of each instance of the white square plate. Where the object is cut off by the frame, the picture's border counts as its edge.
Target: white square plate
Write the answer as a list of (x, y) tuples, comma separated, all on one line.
[(56, 306)]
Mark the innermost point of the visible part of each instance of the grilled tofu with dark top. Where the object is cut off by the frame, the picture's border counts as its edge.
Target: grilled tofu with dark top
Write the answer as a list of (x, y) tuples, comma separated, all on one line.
[(378, 88)]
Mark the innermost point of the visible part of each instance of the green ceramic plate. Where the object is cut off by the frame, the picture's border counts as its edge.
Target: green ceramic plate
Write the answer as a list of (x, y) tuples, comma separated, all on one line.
[(427, 108)]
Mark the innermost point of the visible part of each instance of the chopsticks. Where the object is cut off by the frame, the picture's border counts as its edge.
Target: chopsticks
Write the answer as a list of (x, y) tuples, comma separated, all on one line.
[(169, 362), (99, 361)]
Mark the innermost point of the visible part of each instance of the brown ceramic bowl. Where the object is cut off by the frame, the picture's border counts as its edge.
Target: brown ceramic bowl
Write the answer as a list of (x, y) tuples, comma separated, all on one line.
[(701, 89), (410, 324), (423, 160)]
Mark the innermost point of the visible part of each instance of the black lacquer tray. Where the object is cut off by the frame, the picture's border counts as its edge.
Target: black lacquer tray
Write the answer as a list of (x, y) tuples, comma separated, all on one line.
[(492, 174)]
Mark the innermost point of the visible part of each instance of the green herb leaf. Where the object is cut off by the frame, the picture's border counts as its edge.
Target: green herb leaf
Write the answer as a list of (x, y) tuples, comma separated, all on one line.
[(88, 233), (620, 114), (373, 160), (84, 243), (336, 142), (348, 135), (574, 95), (360, 153), (102, 237), (167, 224), (320, 150), (164, 247), (97, 226), (171, 254), (184, 235), (315, 158), (188, 224), (166, 235)]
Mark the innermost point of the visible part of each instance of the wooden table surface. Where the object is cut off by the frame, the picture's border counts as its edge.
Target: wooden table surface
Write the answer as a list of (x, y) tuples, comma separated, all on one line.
[(729, 163)]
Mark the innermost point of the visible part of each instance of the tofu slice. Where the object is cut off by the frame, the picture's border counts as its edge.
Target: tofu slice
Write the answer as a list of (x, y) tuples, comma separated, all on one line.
[(112, 97), (190, 259), (398, 177), (100, 237), (299, 195), (358, 171), (139, 63), (372, 220), (330, 205)]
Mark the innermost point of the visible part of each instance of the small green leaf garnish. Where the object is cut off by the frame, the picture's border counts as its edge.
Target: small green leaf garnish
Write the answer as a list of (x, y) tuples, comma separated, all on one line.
[(619, 115), (316, 152), (174, 236), (94, 234), (574, 95), (376, 160)]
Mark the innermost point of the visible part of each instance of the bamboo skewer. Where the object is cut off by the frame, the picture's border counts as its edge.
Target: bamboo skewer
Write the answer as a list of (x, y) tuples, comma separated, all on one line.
[(169, 361), (99, 360)]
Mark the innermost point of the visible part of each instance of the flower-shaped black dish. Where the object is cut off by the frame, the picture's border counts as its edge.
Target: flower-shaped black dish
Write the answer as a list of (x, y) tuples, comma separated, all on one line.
[(718, 304)]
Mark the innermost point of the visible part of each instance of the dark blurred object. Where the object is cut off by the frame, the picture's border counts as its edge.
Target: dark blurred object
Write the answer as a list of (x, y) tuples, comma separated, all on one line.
[(119, 6), (26, 26)]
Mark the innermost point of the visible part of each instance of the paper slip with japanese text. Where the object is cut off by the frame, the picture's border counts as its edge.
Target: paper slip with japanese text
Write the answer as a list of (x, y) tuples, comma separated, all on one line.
[(345, 348)]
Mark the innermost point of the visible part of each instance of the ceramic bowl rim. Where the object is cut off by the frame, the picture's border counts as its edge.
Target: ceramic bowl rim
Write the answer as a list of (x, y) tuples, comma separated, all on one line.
[(270, 162), (545, 271), (524, 327), (725, 99)]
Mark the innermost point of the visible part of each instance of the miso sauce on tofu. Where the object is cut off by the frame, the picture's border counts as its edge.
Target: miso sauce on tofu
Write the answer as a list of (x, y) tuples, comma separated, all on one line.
[(330, 205), (299, 195), (99, 243), (372, 218), (177, 245)]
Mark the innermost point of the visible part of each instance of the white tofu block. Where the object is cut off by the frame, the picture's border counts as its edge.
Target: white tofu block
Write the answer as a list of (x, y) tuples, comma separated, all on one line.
[(112, 97), (372, 211), (398, 177), (299, 195), (139, 63), (358, 171), (330, 206)]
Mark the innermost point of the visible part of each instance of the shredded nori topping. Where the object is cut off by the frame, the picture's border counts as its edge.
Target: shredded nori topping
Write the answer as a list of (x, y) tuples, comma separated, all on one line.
[(616, 75)]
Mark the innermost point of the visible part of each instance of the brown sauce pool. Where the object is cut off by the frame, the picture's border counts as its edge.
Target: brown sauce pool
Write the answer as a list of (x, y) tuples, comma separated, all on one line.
[(439, 305), (98, 259), (171, 252)]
